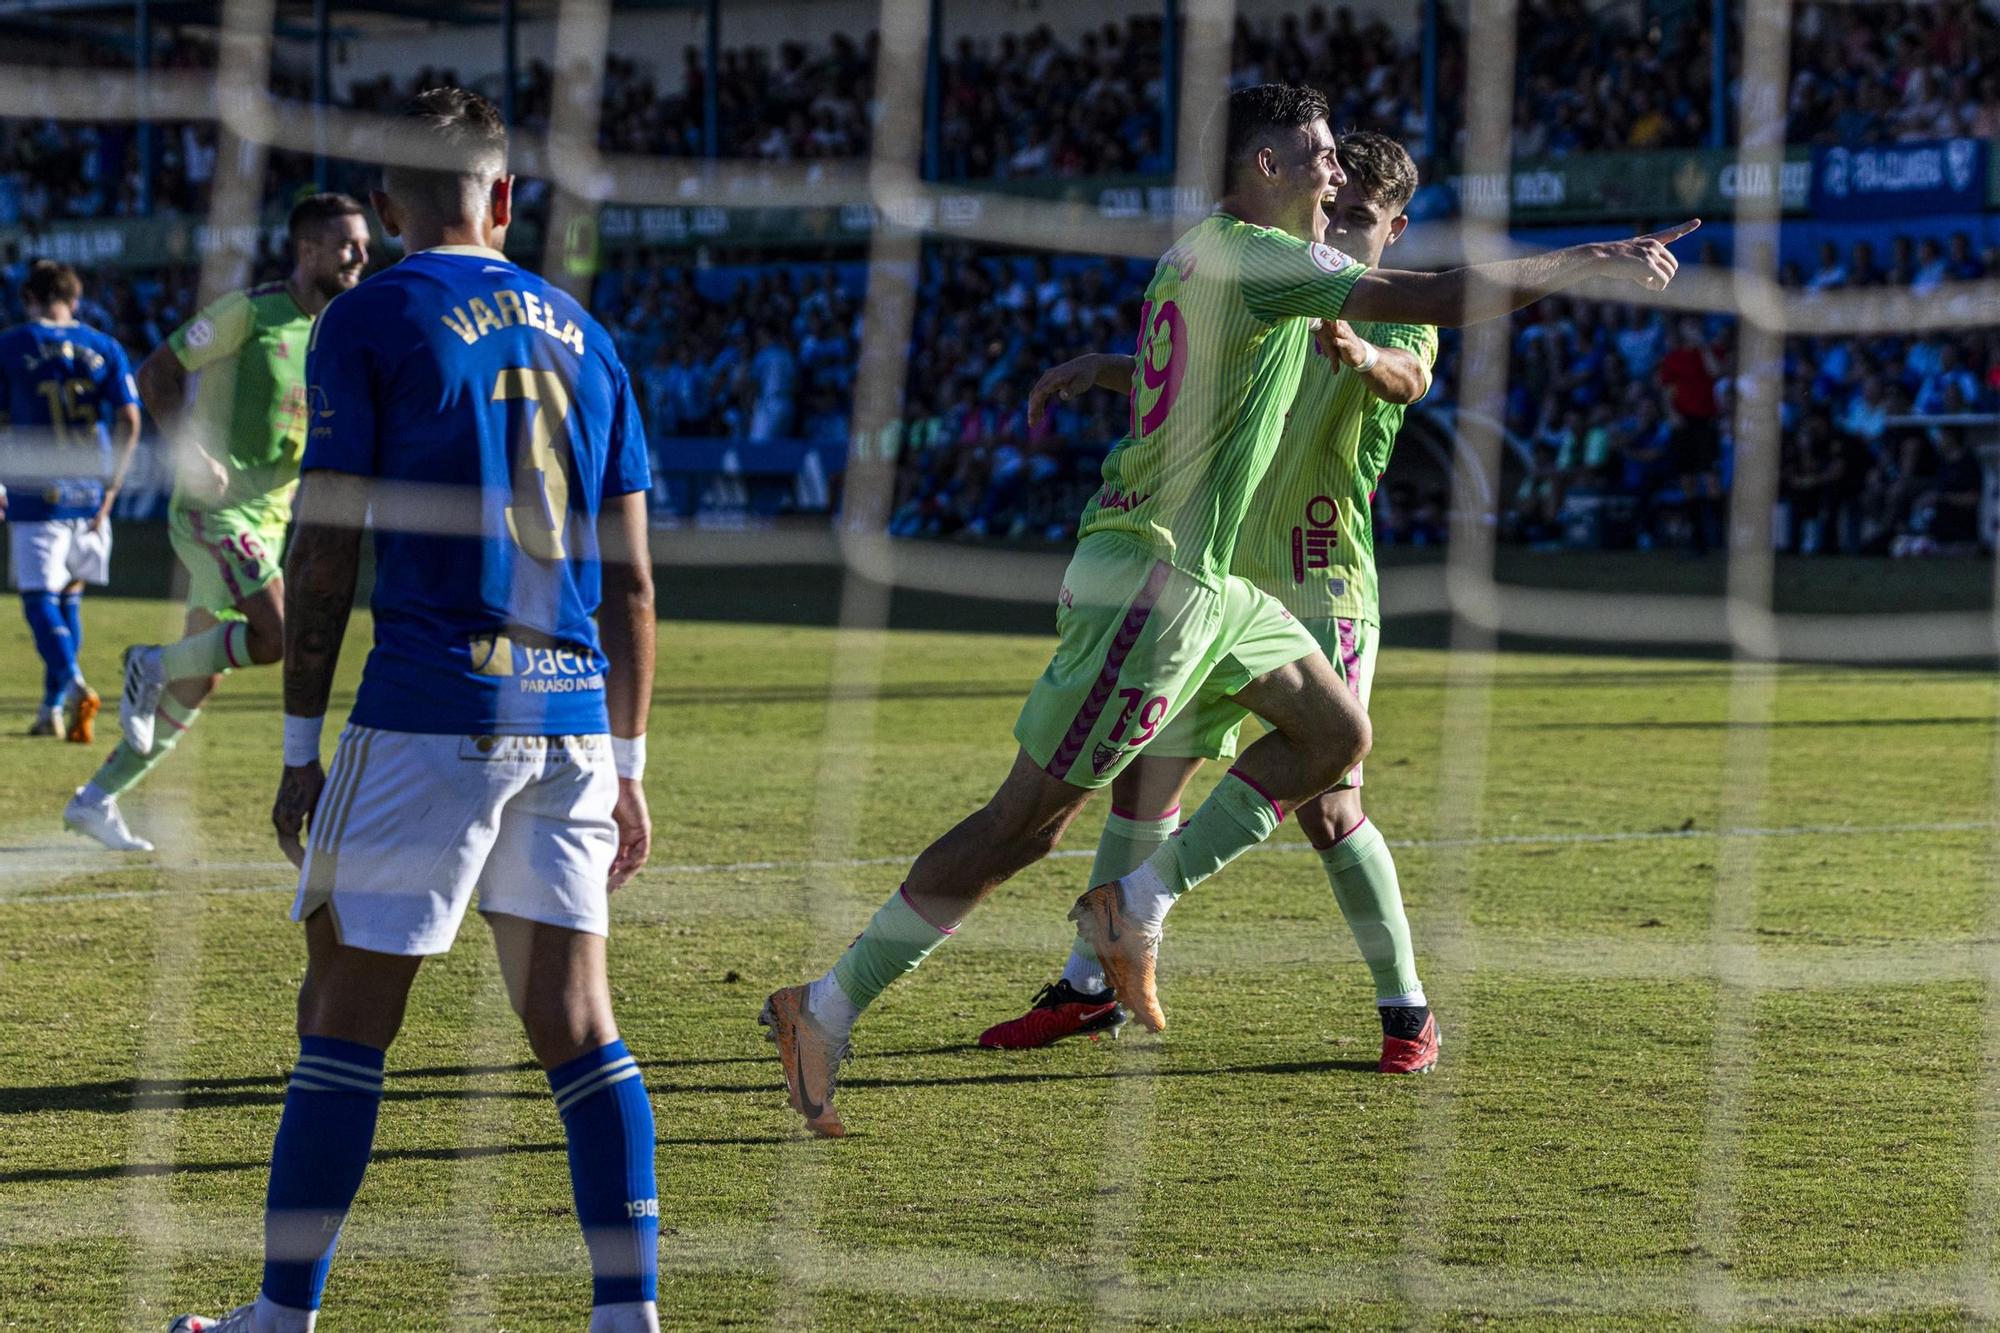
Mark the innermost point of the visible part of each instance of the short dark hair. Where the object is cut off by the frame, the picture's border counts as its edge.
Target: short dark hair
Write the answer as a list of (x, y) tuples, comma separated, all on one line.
[(467, 132), (49, 282), (1252, 113), (316, 210), (1380, 168)]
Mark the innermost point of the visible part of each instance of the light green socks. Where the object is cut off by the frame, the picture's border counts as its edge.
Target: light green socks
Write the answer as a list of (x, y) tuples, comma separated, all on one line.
[(1363, 874), (896, 940), (1235, 817), (122, 771), (213, 650), (1122, 848)]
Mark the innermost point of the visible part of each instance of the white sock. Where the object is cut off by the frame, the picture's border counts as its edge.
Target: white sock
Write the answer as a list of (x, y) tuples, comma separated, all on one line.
[(828, 1003), (1408, 1000), (271, 1317), (625, 1317), (1084, 973), (1146, 896), (92, 794)]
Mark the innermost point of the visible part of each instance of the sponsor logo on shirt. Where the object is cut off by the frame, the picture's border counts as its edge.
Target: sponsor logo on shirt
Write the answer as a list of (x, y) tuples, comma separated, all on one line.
[(1112, 498), (1313, 541), (534, 670), (1326, 258)]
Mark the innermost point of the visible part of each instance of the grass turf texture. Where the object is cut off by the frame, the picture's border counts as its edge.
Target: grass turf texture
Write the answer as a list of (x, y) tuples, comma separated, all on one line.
[(1686, 1077)]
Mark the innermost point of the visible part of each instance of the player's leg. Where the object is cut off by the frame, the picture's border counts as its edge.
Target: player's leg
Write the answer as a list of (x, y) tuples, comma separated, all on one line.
[(1019, 826), (544, 893), (350, 1008), (1272, 667), (39, 558), (1131, 632), (89, 562), (556, 980), (1362, 870), (1145, 811), (232, 560), (93, 810)]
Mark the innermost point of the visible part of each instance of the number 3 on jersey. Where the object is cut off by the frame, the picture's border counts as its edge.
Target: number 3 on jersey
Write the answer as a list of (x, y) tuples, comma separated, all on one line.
[(540, 459), (1162, 363)]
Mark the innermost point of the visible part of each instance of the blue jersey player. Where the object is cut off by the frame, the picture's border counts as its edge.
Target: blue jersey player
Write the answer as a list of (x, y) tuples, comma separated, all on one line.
[(74, 416), (496, 744)]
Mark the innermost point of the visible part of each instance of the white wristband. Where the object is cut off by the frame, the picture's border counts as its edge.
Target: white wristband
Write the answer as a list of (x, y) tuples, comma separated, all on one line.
[(1368, 362), (302, 740), (628, 757)]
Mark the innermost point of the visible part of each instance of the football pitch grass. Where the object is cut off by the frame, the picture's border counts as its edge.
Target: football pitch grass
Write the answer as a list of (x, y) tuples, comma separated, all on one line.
[(1713, 950)]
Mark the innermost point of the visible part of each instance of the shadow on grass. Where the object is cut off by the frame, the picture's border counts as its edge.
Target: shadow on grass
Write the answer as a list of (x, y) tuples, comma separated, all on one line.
[(33, 1175)]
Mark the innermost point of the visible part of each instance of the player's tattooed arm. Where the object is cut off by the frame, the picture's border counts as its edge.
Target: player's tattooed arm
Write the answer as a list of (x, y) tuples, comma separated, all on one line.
[(626, 623), (1481, 292), (319, 584), (319, 595), (1395, 375), (1078, 376)]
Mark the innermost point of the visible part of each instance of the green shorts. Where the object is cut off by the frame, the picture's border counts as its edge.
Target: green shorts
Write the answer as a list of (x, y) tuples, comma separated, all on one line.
[(230, 554), (1207, 728), (1139, 639)]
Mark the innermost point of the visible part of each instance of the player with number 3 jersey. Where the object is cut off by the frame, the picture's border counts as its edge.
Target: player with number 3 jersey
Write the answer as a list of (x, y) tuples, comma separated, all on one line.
[(480, 421)]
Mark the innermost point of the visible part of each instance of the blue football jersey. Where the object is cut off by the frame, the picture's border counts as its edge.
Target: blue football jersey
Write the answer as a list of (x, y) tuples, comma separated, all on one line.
[(62, 382), (496, 419)]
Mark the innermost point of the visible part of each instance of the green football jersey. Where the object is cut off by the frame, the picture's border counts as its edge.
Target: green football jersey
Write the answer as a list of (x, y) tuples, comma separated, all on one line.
[(1222, 337), (249, 351), (1309, 540)]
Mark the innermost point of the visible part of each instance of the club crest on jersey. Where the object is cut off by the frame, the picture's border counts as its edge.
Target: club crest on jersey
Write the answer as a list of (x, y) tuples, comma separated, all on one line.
[(1328, 259)]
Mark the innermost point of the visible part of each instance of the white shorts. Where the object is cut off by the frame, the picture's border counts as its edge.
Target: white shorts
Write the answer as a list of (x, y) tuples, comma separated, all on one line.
[(410, 825), (49, 555)]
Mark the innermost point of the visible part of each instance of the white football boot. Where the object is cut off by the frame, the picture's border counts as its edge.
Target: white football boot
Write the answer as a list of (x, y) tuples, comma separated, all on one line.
[(101, 820), (145, 682)]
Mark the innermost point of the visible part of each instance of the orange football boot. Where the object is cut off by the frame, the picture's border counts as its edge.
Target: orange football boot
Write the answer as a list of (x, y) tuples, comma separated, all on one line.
[(83, 717), (1130, 953), (810, 1056)]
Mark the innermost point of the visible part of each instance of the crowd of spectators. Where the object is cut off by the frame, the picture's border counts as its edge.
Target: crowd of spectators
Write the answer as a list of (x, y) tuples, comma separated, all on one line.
[(1589, 77), (1625, 420), (1620, 418)]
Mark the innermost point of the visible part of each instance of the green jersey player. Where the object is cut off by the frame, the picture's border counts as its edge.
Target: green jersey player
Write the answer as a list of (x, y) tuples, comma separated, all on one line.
[(228, 388), (1309, 542), (1149, 613)]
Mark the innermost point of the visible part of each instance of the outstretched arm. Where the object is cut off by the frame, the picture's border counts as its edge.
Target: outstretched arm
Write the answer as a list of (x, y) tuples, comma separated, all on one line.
[(1478, 292), (319, 595)]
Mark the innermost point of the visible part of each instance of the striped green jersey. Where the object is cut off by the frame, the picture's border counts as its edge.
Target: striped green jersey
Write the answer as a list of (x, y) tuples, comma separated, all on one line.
[(249, 351), (1309, 540), (1223, 336)]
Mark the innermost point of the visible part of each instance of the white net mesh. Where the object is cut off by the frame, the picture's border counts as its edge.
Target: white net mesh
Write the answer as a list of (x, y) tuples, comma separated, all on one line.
[(910, 217)]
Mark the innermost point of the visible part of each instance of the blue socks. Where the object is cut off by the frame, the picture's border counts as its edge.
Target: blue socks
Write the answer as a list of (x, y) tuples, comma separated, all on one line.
[(72, 609), (324, 1139), (54, 640), (609, 1122)]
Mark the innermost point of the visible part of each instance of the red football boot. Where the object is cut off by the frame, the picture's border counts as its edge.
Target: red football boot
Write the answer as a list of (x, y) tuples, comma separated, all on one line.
[(1059, 1011), (1404, 1054)]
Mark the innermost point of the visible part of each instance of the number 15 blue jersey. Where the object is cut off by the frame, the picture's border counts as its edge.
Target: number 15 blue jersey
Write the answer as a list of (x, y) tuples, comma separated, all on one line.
[(496, 419)]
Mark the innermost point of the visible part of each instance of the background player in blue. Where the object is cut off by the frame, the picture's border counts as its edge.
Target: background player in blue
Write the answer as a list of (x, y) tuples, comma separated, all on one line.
[(65, 384), (485, 420)]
